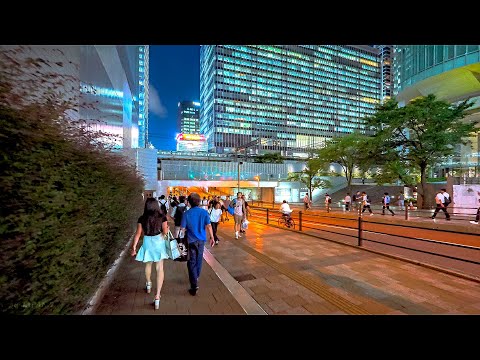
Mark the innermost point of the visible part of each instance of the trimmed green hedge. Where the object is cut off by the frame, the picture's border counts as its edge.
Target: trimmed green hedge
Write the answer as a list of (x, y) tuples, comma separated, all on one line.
[(67, 209)]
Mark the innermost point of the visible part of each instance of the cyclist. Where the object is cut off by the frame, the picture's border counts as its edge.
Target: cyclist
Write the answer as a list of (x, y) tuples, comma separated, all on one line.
[(286, 212)]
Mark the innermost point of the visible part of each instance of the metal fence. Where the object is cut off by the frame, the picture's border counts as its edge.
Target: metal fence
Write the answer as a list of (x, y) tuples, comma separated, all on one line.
[(412, 242)]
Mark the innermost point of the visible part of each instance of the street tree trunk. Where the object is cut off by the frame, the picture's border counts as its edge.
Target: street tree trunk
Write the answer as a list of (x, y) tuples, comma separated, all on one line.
[(421, 192)]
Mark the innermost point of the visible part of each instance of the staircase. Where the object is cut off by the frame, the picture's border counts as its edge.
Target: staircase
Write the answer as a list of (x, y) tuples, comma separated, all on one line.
[(374, 191)]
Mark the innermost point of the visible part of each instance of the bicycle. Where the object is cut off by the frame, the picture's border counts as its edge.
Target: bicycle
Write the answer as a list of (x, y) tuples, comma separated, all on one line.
[(287, 222)]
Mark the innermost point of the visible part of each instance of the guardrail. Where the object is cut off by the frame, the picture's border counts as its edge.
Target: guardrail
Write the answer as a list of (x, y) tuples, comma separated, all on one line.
[(380, 233)]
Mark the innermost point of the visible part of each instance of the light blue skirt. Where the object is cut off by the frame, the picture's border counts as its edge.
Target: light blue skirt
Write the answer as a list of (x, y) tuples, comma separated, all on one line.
[(154, 248)]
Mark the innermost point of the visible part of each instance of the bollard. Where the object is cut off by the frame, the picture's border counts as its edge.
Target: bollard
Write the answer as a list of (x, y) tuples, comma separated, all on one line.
[(360, 230), (300, 221), (267, 215), (406, 212)]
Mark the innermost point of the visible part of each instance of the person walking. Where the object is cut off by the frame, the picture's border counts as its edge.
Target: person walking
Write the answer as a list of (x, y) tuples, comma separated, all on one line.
[(226, 204), (205, 203), (164, 204), (215, 213), (448, 199), (239, 214), (177, 216), (247, 214), (306, 202), (386, 203), (328, 201), (366, 203), (477, 218), (358, 201), (153, 224), (196, 222), (440, 201), (220, 201), (348, 201)]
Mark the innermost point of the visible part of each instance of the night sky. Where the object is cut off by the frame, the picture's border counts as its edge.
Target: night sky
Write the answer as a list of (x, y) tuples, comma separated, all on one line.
[(174, 76)]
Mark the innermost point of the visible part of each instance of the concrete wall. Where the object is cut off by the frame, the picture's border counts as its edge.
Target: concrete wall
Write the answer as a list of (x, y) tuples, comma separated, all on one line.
[(465, 198)]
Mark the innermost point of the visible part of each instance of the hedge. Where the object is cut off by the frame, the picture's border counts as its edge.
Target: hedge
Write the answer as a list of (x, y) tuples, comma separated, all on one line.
[(68, 207)]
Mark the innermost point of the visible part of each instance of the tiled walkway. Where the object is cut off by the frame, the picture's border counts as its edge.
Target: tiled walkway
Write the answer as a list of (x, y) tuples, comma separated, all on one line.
[(291, 273)]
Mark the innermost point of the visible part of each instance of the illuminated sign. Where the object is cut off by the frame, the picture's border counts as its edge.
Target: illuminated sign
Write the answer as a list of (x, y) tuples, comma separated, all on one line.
[(191, 137), (196, 103), (191, 142)]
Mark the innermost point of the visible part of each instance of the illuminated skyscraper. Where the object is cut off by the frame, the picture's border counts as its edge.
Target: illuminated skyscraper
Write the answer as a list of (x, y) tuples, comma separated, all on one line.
[(285, 97), (451, 72), (143, 70), (386, 56), (188, 117)]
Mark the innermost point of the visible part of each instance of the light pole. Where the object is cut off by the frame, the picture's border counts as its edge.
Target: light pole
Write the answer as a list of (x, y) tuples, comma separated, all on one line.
[(238, 174), (258, 186)]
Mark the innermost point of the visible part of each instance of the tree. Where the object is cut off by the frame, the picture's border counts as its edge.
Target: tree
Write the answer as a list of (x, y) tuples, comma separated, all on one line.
[(310, 176), (349, 152), (274, 158), (418, 135)]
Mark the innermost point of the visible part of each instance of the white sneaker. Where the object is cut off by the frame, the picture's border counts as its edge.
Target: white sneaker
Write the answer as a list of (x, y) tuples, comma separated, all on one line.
[(474, 222), (371, 214), (236, 234), (148, 287)]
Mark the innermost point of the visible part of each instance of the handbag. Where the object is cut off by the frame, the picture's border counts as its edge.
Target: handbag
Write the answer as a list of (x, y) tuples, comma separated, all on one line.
[(172, 246), (183, 247), (245, 224)]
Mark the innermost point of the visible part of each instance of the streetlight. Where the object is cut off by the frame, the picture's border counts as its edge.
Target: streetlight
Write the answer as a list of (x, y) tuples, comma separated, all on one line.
[(258, 187), (238, 173)]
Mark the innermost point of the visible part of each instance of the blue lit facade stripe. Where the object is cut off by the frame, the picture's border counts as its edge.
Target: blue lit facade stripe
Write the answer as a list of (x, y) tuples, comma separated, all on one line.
[(289, 97), (143, 81)]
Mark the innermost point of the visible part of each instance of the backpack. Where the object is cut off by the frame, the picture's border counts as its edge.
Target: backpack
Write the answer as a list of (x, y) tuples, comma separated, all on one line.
[(329, 200), (447, 201), (368, 199), (163, 207), (231, 206), (179, 215)]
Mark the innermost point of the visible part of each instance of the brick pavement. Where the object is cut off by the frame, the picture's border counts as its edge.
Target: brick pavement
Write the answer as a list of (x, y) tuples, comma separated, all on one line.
[(126, 295), (291, 273)]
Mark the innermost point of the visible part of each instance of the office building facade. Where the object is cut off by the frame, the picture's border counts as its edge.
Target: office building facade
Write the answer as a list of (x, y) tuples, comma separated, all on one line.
[(143, 71), (285, 98), (103, 85), (451, 72), (188, 117), (386, 56)]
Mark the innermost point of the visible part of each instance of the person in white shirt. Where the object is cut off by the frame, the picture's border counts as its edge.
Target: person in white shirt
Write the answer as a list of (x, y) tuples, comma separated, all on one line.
[(348, 201), (204, 203), (286, 211), (215, 215), (366, 203), (328, 201), (440, 201), (447, 198), (477, 218)]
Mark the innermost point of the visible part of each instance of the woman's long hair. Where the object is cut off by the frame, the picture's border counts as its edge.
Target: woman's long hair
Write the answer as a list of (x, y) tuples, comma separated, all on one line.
[(152, 217)]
